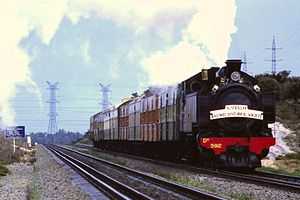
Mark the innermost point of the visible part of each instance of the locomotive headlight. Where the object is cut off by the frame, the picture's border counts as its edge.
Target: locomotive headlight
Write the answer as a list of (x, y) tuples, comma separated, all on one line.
[(215, 88), (235, 76), (256, 88)]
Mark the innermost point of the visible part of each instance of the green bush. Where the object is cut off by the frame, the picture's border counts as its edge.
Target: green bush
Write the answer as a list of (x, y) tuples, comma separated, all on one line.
[(269, 85), (293, 156), (3, 170), (287, 110)]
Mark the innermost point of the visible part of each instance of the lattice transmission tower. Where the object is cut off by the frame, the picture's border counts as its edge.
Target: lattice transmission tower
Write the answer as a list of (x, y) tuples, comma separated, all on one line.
[(52, 126), (274, 59), (245, 62), (105, 90)]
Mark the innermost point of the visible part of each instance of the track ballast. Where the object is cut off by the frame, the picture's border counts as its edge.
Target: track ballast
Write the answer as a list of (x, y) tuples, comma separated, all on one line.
[(188, 192)]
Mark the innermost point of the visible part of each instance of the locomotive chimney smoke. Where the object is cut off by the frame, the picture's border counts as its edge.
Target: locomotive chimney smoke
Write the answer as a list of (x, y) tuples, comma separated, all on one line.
[(205, 42)]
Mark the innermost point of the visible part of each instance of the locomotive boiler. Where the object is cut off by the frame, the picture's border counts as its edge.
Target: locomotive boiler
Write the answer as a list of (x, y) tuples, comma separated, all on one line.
[(217, 117)]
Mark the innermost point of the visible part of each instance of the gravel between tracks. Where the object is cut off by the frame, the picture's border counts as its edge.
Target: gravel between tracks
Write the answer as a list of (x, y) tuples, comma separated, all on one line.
[(225, 187), (52, 180), (137, 183)]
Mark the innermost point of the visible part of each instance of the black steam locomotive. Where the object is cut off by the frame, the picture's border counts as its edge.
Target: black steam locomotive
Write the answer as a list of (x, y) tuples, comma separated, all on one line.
[(219, 116)]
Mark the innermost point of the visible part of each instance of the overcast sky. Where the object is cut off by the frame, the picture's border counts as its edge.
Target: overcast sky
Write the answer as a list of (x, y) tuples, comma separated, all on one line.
[(130, 45)]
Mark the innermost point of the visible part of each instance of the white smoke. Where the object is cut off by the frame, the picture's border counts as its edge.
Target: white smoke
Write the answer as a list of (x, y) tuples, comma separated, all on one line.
[(205, 42), (136, 13), (85, 51), (18, 19), (178, 62), (209, 28)]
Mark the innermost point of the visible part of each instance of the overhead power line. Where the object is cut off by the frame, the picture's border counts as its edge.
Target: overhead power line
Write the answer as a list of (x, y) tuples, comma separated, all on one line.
[(105, 90), (245, 62), (274, 59), (52, 126)]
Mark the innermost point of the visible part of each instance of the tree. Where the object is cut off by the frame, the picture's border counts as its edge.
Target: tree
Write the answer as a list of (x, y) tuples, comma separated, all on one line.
[(61, 137), (269, 85), (282, 76), (292, 90)]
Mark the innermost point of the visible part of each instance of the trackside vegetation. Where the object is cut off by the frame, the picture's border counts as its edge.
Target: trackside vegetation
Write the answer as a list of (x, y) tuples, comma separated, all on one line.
[(287, 90)]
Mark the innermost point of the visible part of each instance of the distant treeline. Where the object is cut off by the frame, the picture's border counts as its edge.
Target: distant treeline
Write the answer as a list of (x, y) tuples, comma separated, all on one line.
[(285, 87), (287, 90), (61, 137)]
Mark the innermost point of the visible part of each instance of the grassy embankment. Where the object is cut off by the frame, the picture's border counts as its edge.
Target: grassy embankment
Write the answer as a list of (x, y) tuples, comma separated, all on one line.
[(21, 155), (3, 169), (7, 156), (84, 140), (288, 164), (288, 113)]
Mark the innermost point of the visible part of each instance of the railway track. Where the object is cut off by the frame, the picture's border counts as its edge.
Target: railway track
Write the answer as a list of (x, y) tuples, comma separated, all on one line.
[(116, 188), (295, 179), (263, 178), (111, 187)]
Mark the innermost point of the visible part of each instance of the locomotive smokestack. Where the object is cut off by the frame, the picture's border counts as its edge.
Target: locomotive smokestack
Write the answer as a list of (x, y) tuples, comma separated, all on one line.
[(232, 65), (235, 65)]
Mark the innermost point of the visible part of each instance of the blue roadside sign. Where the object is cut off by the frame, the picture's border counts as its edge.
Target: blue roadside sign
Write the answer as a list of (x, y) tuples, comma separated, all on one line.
[(16, 131)]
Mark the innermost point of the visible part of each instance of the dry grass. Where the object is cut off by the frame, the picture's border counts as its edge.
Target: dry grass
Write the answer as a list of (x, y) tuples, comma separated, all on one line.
[(241, 196), (288, 113), (7, 156), (3, 170), (288, 164), (84, 140), (6, 151), (33, 190)]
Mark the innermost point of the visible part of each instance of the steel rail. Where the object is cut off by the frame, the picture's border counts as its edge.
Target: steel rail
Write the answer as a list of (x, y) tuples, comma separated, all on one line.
[(272, 182), (295, 179), (178, 188), (277, 182), (106, 184)]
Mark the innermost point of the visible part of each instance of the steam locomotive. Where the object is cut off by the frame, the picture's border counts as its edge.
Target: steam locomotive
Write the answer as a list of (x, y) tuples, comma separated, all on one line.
[(217, 117)]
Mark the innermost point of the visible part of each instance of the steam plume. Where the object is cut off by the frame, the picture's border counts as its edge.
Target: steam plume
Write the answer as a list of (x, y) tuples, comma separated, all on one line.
[(205, 42)]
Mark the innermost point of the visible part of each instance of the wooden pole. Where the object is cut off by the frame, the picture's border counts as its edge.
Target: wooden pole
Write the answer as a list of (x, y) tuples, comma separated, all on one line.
[(14, 142)]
